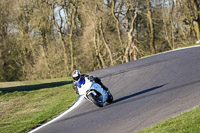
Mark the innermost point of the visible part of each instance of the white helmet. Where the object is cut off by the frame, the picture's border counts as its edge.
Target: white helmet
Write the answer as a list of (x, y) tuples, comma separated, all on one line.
[(76, 75)]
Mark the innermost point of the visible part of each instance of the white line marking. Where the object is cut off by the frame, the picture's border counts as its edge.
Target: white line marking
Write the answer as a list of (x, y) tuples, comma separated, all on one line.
[(178, 49), (58, 117)]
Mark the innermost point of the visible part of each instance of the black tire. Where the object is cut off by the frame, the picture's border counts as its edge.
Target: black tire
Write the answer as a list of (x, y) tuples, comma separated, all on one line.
[(95, 100), (110, 98)]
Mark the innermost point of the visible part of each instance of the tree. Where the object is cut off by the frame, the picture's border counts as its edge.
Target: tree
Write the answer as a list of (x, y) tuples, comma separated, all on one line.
[(195, 7), (48, 39), (131, 15), (151, 27)]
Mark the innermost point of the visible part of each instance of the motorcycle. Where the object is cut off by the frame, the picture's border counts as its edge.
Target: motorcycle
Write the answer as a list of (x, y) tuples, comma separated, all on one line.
[(94, 92)]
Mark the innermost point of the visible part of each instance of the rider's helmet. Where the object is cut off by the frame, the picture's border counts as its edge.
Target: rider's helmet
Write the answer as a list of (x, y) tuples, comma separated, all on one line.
[(76, 75)]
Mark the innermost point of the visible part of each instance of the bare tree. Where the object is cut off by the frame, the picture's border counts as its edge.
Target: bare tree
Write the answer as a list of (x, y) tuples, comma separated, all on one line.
[(131, 48), (195, 5), (61, 33), (117, 25), (151, 27), (105, 42)]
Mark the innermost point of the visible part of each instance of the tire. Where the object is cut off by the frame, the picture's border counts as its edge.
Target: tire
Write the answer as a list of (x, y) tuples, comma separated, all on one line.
[(95, 100), (110, 98)]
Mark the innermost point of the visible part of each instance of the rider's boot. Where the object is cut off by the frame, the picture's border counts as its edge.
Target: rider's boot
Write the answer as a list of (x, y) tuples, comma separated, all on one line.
[(105, 88), (97, 80), (110, 97)]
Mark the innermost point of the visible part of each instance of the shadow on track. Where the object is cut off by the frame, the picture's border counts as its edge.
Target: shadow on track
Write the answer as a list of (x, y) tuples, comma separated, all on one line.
[(34, 87), (112, 104), (138, 93)]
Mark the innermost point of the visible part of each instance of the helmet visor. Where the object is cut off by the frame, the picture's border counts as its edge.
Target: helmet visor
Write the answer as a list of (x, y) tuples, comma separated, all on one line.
[(76, 78)]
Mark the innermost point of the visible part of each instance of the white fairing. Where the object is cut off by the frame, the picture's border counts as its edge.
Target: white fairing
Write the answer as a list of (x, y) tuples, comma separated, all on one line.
[(84, 87), (92, 86)]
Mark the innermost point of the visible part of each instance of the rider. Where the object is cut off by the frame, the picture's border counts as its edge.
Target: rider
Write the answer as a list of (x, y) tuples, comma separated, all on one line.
[(77, 76)]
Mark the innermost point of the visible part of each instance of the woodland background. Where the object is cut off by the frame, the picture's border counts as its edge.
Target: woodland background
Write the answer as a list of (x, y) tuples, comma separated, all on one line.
[(50, 38)]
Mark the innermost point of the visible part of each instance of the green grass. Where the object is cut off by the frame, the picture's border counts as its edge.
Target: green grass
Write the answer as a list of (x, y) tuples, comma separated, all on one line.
[(188, 122), (25, 105)]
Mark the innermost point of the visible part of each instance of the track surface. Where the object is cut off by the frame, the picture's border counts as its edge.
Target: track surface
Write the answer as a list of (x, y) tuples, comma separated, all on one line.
[(146, 92)]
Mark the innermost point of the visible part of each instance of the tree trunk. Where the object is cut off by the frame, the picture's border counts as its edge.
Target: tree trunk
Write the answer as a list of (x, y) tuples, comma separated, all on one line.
[(131, 44), (105, 43), (72, 26), (150, 22), (196, 19), (117, 25), (62, 41)]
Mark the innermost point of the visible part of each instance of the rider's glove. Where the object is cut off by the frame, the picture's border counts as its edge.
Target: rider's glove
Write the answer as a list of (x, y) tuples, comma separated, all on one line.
[(91, 78)]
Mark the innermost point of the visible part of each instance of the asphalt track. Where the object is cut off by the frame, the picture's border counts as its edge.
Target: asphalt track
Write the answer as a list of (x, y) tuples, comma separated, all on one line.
[(146, 91)]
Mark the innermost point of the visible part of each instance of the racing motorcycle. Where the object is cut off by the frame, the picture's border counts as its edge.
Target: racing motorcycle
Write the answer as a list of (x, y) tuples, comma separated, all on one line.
[(94, 92)]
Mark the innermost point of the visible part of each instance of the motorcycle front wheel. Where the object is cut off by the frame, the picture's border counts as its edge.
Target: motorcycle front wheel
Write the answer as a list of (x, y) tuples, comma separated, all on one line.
[(95, 100)]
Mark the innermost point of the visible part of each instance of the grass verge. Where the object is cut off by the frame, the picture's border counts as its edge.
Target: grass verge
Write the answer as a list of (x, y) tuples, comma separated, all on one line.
[(25, 105), (188, 122)]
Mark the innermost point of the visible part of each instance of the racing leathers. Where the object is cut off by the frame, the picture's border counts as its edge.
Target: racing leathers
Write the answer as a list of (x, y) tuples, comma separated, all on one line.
[(91, 78)]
